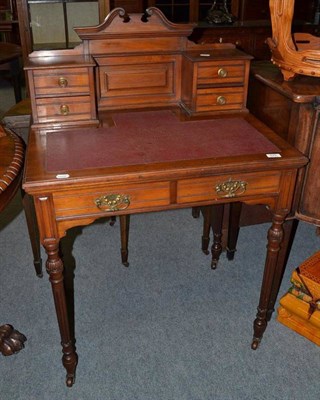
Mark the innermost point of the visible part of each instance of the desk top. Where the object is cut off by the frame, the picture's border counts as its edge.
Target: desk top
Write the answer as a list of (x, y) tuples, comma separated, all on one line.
[(154, 136), (144, 143)]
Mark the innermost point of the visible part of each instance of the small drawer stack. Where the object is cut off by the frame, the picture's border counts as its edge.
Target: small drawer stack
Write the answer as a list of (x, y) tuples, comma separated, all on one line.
[(215, 81), (300, 306), (62, 90)]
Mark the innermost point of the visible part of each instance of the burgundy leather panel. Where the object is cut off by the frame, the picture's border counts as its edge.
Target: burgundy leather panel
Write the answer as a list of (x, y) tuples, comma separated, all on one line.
[(151, 137)]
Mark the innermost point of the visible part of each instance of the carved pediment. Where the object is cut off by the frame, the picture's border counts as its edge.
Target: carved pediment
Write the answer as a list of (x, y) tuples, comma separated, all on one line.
[(119, 24)]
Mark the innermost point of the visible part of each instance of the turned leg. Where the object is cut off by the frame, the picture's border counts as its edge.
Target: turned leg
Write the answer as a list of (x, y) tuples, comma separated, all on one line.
[(275, 236), (289, 231), (124, 230), (11, 340), (233, 229), (33, 232), (206, 212), (54, 268), (216, 224)]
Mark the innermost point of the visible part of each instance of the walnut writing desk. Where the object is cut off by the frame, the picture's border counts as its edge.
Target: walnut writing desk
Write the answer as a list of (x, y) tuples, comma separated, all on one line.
[(196, 145)]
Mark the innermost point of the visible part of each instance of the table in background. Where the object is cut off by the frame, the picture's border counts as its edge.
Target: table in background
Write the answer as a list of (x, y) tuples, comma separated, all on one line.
[(11, 166)]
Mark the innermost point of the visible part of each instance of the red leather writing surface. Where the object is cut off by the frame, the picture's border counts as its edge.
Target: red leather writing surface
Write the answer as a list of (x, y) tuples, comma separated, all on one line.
[(151, 137)]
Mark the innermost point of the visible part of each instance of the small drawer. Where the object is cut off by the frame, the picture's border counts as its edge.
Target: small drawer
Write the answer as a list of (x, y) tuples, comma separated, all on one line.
[(63, 109), (214, 188), (213, 73), (61, 81), (112, 199), (219, 99)]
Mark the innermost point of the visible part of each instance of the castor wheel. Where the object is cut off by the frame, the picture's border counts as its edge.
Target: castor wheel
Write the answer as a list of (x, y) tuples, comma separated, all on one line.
[(214, 264), (70, 380), (255, 343)]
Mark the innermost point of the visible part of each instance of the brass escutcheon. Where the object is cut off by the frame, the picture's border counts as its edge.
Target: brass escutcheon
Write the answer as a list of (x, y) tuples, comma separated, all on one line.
[(64, 109), (222, 73), (63, 82), (113, 202), (231, 188), (221, 100)]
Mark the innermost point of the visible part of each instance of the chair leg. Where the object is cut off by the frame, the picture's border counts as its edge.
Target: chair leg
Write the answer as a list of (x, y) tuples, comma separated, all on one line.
[(33, 232), (216, 223), (233, 229), (124, 232)]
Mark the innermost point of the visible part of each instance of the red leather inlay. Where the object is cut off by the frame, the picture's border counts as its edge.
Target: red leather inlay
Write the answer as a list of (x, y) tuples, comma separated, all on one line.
[(151, 137)]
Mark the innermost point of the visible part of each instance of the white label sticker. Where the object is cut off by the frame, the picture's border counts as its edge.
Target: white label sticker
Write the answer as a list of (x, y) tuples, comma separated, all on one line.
[(273, 155), (62, 176)]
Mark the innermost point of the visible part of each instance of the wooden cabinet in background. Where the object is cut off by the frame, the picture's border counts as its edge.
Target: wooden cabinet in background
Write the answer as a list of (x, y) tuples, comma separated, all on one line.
[(292, 110)]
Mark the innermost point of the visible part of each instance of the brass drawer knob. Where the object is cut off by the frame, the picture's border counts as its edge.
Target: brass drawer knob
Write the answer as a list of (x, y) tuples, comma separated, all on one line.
[(63, 82), (113, 202), (221, 100), (64, 109), (222, 73), (231, 188)]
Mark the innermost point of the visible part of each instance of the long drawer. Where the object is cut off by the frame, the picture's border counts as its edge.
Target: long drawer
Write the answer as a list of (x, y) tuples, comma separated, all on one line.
[(214, 188), (112, 199)]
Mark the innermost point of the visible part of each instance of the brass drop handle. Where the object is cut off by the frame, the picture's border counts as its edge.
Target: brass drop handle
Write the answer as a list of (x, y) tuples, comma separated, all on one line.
[(63, 82), (222, 73), (64, 109), (231, 188), (113, 202), (221, 100)]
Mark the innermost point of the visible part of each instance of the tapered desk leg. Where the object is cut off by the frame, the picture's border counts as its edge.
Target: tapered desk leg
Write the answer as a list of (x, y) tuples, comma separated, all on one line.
[(289, 231), (54, 268), (206, 212), (233, 229), (216, 224), (275, 236), (124, 229)]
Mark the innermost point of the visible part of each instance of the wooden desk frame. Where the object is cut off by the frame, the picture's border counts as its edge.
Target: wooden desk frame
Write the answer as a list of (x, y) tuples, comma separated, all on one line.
[(175, 184)]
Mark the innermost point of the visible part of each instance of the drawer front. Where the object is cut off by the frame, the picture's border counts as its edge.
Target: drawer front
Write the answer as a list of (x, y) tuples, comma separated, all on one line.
[(61, 82), (219, 99), (112, 199), (63, 109), (214, 188), (225, 72), (138, 80)]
